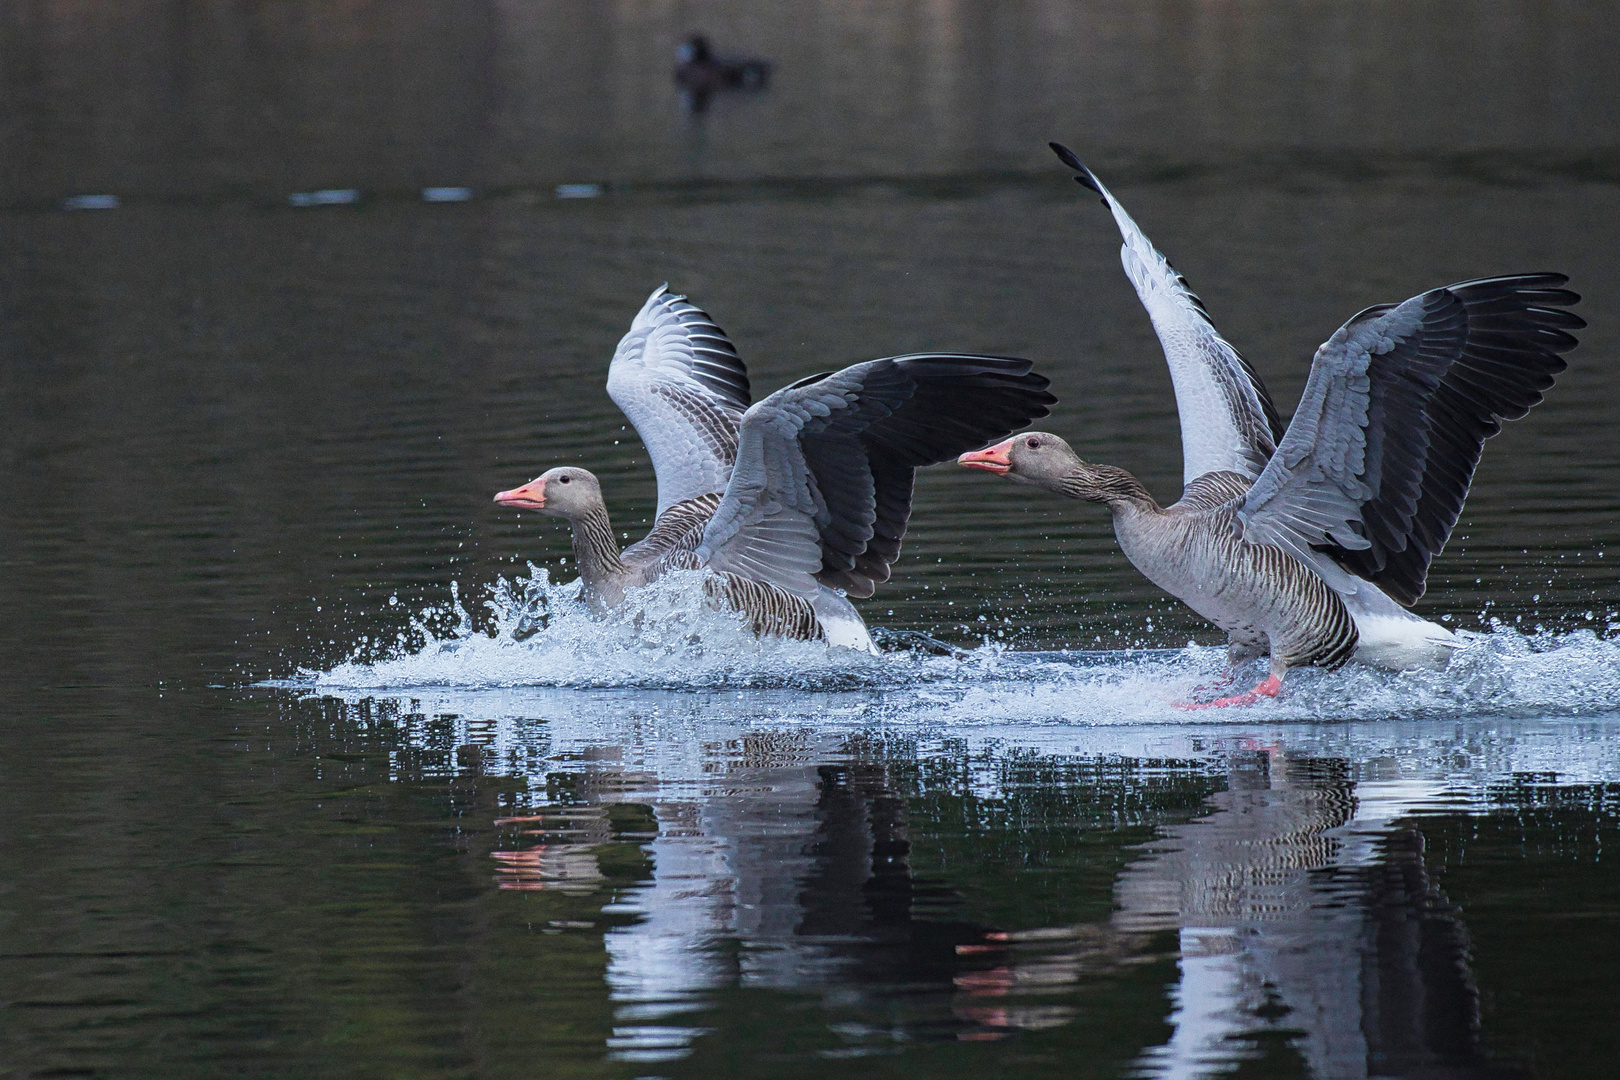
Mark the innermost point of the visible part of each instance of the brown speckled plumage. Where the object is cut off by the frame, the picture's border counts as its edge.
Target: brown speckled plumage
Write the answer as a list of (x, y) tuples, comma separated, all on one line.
[(675, 534)]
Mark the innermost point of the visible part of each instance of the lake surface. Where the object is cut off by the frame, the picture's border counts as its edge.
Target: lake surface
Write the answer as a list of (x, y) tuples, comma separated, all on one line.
[(281, 796)]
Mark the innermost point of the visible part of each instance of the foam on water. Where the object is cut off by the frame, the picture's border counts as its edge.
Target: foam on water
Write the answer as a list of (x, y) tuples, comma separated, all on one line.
[(540, 635)]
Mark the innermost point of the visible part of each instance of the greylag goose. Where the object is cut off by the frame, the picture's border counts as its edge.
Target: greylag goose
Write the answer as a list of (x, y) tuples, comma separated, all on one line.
[(1307, 544), (793, 504)]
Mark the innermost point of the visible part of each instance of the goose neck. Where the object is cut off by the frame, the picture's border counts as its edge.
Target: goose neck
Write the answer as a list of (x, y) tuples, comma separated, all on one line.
[(1107, 484), (595, 551)]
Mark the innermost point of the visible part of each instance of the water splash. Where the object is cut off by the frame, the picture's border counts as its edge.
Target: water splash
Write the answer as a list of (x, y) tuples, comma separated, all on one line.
[(1502, 673), (538, 634)]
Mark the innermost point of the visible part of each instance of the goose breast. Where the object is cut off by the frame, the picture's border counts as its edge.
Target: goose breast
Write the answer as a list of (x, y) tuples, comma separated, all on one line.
[(1257, 594)]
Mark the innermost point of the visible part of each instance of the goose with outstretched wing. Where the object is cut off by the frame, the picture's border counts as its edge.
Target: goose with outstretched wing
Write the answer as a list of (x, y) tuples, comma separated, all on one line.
[(1307, 544), (793, 504), (678, 379)]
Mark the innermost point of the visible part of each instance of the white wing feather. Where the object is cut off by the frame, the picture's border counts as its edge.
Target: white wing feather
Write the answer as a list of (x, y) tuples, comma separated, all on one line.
[(679, 381), (1226, 415)]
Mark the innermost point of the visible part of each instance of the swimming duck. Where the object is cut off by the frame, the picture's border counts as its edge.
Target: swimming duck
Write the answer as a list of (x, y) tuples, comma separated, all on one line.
[(792, 504), (1308, 544), (699, 72)]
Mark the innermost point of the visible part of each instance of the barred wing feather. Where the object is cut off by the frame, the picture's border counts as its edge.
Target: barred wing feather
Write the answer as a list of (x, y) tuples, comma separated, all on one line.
[(1378, 458), (679, 381)]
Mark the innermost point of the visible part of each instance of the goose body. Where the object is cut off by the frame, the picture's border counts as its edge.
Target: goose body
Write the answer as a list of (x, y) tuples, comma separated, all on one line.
[(793, 504), (1267, 601), (1308, 543)]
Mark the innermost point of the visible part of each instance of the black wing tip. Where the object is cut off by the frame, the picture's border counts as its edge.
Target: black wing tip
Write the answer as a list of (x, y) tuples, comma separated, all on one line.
[(970, 363), (998, 371), (1069, 158), (1547, 281), (1084, 175), (1539, 295)]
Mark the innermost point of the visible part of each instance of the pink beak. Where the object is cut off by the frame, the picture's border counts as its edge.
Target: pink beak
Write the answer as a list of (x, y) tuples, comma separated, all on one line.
[(531, 496), (993, 459)]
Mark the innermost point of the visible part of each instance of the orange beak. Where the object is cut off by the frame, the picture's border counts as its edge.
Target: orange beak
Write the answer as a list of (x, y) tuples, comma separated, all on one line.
[(993, 459), (531, 496)]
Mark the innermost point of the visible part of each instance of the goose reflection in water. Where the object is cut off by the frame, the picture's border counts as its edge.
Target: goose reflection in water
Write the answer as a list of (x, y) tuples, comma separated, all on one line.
[(567, 863), (1302, 909)]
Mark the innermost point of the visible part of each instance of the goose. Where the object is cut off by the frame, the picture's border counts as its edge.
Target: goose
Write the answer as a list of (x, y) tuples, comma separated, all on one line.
[(792, 504), (1309, 544)]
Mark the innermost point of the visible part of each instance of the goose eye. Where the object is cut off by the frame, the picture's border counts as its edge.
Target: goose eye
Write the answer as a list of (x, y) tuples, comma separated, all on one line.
[(1033, 444), (562, 479)]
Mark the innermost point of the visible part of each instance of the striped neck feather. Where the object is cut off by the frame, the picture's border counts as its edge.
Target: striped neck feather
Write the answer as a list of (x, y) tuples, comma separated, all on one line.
[(1105, 484), (595, 550)]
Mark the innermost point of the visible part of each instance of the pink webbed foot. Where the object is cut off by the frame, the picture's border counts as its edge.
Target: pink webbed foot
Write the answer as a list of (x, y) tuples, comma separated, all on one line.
[(1269, 688)]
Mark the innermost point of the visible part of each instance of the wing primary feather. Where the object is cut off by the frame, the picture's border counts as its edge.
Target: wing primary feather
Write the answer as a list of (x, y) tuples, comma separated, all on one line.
[(838, 451), (1375, 467), (1083, 175)]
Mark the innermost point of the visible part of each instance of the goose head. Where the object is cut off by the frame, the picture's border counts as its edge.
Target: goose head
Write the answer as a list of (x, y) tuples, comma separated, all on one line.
[(1035, 457), (1045, 461), (565, 492), (694, 50)]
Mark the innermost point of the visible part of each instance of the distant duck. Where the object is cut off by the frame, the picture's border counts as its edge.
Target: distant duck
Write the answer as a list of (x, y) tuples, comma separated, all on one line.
[(791, 504), (1306, 544), (700, 72)]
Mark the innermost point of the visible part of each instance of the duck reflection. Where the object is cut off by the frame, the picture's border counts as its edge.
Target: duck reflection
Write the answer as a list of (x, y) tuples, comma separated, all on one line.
[(1303, 912)]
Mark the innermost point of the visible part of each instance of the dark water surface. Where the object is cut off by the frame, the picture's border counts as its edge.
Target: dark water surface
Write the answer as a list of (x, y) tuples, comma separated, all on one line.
[(247, 448)]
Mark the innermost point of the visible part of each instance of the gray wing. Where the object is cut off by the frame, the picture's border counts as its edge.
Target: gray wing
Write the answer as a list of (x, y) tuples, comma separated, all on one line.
[(679, 380), (1378, 458), (821, 492), (1228, 422)]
